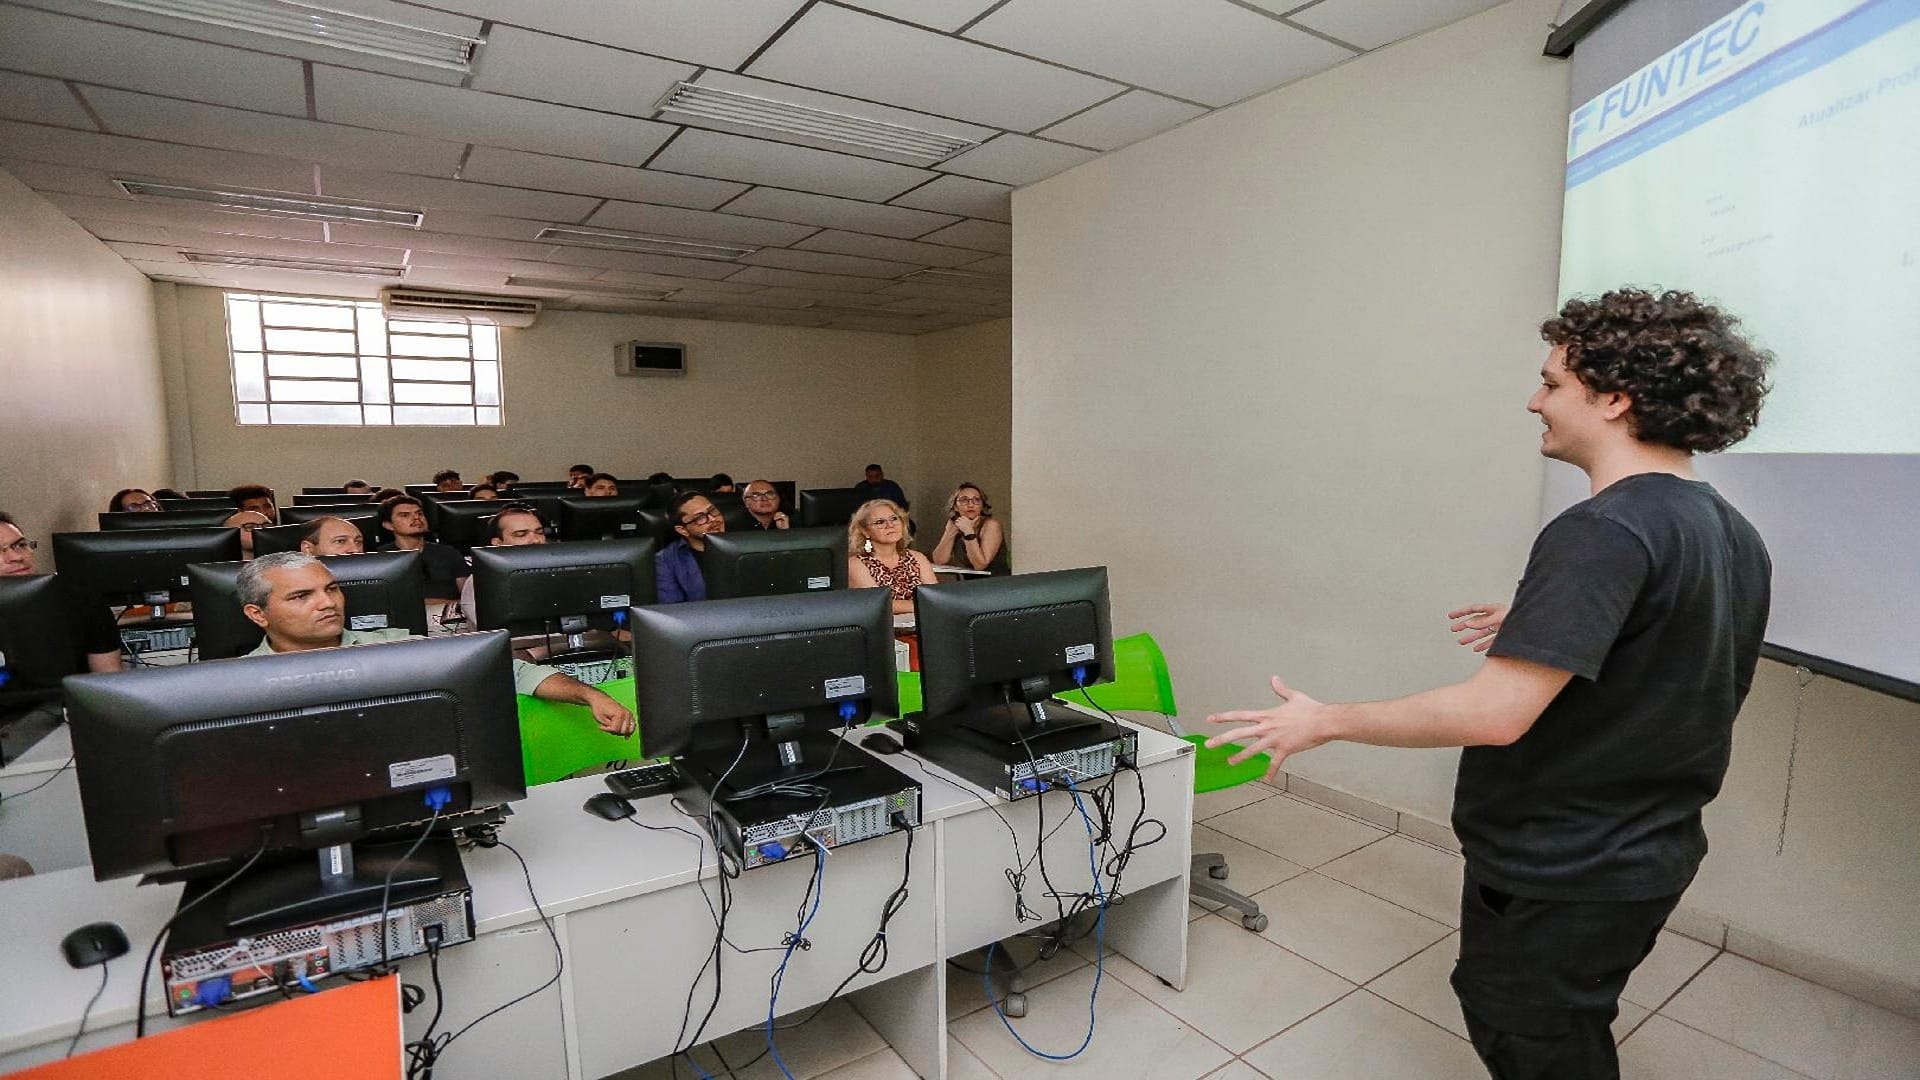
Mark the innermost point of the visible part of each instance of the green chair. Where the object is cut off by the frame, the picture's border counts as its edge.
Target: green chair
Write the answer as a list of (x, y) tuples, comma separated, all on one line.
[(1141, 683), (558, 739)]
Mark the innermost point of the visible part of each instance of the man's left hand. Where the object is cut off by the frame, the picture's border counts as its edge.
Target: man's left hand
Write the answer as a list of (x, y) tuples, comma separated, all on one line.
[(1282, 731), (613, 717)]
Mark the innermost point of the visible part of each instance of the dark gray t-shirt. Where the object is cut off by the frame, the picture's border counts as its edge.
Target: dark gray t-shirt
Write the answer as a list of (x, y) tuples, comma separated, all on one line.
[(1654, 594)]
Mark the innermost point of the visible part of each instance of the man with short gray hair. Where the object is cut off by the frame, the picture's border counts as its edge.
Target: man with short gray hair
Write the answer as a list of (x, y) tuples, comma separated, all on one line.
[(294, 598)]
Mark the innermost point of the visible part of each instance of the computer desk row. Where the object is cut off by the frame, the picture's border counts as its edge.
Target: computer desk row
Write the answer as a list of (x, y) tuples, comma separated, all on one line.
[(627, 904)]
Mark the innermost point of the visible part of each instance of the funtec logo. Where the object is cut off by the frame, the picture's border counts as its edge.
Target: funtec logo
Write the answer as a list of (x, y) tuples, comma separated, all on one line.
[(1709, 55)]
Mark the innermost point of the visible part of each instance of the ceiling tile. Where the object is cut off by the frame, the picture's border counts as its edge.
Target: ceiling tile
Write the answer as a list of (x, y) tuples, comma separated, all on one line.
[(149, 160), (757, 161), (825, 297), (834, 103), (42, 101), (211, 125), (827, 263), (430, 193), (548, 68), (356, 97), (922, 306), (71, 179), (835, 213), (419, 240), (170, 216), (762, 275), (281, 247), (696, 224), (1215, 53), (904, 289), (877, 326), (1370, 25), (147, 253), (877, 247), (97, 52), (706, 269), (458, 279), (129, 232), (947, 15), (180, 271), (1017, 159), (768, 315), (758, 298), (1128, 118), (520, 169), (962, 195), (996, 264), (674, 281), (863, 56), (689, 30)]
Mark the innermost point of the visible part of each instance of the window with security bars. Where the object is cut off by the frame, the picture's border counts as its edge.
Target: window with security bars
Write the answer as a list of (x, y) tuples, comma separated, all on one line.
[(311, 360)]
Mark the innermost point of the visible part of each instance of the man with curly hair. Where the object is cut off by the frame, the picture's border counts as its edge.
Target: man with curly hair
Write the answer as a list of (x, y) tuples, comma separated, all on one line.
[(1601, 721)]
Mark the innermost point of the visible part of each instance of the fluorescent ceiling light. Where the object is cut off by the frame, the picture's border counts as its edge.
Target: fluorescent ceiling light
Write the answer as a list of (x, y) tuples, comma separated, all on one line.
[(322, 26), (692, 100), (262, 202), (594, 288), (273, 262), (651, 245)]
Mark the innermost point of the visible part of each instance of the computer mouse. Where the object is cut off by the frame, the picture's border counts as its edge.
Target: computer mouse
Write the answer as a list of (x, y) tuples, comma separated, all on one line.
[(94, 943), (882, 743), (608, 805)]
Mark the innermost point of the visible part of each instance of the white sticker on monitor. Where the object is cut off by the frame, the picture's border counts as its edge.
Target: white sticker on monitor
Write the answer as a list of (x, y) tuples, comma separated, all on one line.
[(847, 686), (1079, 654), (629, 526), (421, 771), (819, 583), (183, 579), (618, 600), (368, 622)]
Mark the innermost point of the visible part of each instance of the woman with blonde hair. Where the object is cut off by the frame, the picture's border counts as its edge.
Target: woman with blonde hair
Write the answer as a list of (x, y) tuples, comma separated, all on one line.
[(974, 539), (878, 555)]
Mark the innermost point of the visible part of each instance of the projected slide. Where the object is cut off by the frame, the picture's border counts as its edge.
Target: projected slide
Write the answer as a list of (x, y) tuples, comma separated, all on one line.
[(1771, 162)]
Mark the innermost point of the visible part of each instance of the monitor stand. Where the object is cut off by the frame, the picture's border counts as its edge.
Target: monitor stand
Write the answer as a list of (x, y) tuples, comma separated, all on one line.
[(1018, 723), (799, 759), (340, 878)]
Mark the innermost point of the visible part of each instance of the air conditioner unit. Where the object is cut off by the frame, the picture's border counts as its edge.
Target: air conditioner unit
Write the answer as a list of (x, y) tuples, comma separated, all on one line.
[(441, 306), (650, 358)]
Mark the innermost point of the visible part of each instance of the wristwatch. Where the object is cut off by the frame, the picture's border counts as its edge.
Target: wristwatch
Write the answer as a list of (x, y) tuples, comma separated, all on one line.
[(969, 536)]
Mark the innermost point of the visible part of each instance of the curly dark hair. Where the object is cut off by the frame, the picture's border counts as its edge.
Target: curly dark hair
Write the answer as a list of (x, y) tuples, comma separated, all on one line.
[(1694, 381)]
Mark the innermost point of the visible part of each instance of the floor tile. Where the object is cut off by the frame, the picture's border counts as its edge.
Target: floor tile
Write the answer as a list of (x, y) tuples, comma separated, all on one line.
[(1664, 1050), (1214, 803), (838, 1036), (1420, 985), (1348, 932), (662, 1070), (1365, 1036), (1134, 1039), (885, 1065), (1296, 831), (1630, 1017), (1240, 988), (1249, 869), (1409, 873), (1237, 1070), (1804, 1026), (962, 1064), (966, 990), (1667, 968)]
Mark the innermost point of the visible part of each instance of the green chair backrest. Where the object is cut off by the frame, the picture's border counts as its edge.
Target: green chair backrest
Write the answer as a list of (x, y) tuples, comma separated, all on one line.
[(1140, 678), (558, 739)]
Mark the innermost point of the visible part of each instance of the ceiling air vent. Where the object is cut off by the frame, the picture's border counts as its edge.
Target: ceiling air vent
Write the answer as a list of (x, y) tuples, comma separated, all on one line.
[(441, 306)]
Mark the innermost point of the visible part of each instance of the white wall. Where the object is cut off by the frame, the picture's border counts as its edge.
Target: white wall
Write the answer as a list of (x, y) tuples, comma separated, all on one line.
[(80, 388), (964, 384)]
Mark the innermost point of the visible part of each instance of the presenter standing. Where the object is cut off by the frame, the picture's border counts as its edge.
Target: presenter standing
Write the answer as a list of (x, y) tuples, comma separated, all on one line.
[(1601, 721)]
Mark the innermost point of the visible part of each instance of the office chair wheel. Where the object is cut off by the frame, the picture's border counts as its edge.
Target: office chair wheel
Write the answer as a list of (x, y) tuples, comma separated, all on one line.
[(1015, 1006), (1217, 873), (1255, 923)]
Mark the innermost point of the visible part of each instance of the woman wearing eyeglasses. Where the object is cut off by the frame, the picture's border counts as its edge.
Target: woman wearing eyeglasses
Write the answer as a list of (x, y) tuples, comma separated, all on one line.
[(974, 538), (878, 555), (132, 501)]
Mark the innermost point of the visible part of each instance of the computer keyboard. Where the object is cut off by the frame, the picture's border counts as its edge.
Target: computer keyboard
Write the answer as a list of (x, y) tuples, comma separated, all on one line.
[(140, 639), (653, 778), (595, 672)]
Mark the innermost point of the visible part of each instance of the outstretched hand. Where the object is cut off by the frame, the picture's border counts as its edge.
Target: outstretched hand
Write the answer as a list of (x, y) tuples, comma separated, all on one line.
[(1475, 625), (1282, 731)]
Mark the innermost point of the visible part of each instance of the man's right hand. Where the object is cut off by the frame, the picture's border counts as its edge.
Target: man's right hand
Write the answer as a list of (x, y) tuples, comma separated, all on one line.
[(1476, 624)]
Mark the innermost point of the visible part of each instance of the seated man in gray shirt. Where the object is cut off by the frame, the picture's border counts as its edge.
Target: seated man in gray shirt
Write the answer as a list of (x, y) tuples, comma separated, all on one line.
[(294, 598)]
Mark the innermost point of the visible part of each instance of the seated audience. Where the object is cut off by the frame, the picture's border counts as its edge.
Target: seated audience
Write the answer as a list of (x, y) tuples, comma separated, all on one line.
[(246, 521), (131, 501), (294, 598), (93, 621), (878, 555), (973, 539), (578, 475), (484, 491), (405, 519), (515, 525), (332, 536), (722, 484), (387, 493), (877, 486), (659, 478), (357, 487), (503, 480), (167, 493), (602, 485), (676, 567), (258, 498), (762, 501), (447, 480)]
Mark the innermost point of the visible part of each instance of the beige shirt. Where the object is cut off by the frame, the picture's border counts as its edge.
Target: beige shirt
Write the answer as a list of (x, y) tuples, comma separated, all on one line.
[(526, 676)]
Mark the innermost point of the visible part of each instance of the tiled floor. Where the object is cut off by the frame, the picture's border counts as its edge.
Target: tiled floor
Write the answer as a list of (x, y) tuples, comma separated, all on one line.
[(1349, 980)]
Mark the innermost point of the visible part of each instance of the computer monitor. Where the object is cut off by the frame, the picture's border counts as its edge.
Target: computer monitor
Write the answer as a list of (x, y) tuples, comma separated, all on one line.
[(206, 493), (828, 506), (993, 650), (583, 517), (765, 680), (463, 523), (39, 642), (273, 539), (732, 507), (774, 562), (140, 566), (185, 771), (701, 484), (174, 519), (382, 590), (305, 512), (331, 498), (658, 524), (430, 489), (338, 489), (174, 506), (568, 588), (539, 487)]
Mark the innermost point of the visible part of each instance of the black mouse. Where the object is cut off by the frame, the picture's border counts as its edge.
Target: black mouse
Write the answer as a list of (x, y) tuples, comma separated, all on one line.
[(882, 743), (608, 805), (94, 943)]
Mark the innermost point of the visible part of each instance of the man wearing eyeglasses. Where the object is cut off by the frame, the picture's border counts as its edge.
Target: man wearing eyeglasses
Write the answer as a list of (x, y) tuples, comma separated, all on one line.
[(762, 500), (99, 638), (515, 525), (677, 566)]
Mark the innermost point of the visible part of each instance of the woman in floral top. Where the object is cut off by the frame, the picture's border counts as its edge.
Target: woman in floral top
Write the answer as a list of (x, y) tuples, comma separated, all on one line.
[(878, 555)]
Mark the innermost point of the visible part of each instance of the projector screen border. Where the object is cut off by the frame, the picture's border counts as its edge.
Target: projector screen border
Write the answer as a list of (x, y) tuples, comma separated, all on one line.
[(1847, 673)]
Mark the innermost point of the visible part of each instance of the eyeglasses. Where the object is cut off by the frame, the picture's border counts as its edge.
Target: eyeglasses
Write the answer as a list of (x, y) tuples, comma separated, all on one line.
[(883, 522), (968, 500), (21, 547), (145, 504), (703, 518), (760, 496)]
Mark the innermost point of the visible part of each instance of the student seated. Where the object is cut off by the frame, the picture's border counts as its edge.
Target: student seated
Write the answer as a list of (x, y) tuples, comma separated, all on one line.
[(515, 525), (132, 501), (973, 539), (93, 621), (294, 598), (258, 498), (388, 493), (167, 493), (447, 480), (357, 487), (659, 478), (484, 491), (405, 519), (676, 567), (503, 480), (246, 521), (578, 475), (332, 536), (722, 484), (877, 486), (601, 485), (762, 501), (878, 555)]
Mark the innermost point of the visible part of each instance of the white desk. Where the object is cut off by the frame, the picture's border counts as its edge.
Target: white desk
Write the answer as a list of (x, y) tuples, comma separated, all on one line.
[(634, 928)]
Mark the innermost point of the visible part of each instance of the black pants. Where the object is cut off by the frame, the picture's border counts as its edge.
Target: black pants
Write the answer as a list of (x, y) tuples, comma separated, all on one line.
[(1540, 980)]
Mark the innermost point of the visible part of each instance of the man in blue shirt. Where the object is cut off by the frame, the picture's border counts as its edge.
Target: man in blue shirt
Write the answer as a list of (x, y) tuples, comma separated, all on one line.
[(677, 566), (877, 486)]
